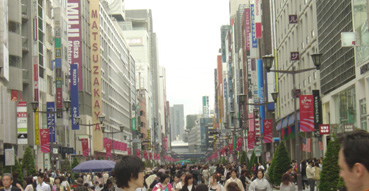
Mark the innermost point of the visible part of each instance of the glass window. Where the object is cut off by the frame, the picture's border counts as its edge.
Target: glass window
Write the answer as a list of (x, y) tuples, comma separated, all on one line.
[(362, 106)]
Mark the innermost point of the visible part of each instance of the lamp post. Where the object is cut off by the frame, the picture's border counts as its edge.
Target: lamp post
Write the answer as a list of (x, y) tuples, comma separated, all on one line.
[(268, 61), (112, 135), (78, 121)]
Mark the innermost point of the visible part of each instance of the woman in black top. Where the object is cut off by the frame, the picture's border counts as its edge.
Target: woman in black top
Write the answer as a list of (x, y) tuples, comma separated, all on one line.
[(188, 186)]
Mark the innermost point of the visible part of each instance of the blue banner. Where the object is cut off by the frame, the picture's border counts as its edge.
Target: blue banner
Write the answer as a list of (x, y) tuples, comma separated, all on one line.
[(50, 106), (253, 27), (261, 91), (74, 94)]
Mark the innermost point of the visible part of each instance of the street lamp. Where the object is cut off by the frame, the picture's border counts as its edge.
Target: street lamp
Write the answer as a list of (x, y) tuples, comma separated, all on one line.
[(268, 61), (34, 105), (78, 121)]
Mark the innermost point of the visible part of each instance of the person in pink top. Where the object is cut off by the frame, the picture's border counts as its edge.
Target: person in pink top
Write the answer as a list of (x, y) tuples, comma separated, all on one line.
[(164, 184)]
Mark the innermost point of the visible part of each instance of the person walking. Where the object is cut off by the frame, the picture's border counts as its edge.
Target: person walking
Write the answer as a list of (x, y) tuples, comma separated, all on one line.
[(7, 180), (233, 187), (205, 175), (260, 183), (245, 178), (286, 184), (310, 173), (29, 183), (234, 178), (317, 175), (57, 186), (188, 186), (164, 184)]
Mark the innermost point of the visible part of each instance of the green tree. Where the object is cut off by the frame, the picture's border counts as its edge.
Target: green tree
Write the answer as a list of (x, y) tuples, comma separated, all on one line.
[(28, 162), (243, 158), (329, 175), (272, 166), (190, 121), (75, 162), (252, 161), (65, 167), (281, 162)]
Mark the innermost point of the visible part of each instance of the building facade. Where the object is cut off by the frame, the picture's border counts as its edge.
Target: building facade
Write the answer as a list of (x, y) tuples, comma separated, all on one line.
[(176, 122)]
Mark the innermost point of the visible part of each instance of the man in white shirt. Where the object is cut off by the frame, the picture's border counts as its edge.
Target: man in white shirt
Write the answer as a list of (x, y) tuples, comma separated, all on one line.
[(310, 173), (41, 185)]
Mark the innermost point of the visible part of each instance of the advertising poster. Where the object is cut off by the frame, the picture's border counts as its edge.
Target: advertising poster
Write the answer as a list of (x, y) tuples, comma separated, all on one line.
[(306, 113), (268, 130), (74, 95), (44, 139), (51, 120)]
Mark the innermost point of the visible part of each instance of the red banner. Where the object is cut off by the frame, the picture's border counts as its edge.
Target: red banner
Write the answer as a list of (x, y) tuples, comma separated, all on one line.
[(138, 153), (84, 143), (45, 141), (239, 143), (268, 130), (129, 150), (108, 148), (165, 142), (145, 154), (306, 113), (150, 156), (251, 139)]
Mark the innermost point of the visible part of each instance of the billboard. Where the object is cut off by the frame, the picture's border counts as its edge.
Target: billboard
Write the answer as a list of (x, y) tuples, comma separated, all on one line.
[(96, 73), (22, 123), (74, 36), (74, 94), (50, 106)]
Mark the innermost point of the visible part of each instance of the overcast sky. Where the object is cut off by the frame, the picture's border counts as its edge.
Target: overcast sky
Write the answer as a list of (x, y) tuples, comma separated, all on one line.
[(189, 40)]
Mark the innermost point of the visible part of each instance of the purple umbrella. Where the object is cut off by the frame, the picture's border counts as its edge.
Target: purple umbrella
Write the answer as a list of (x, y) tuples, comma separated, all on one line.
[(95, 166)]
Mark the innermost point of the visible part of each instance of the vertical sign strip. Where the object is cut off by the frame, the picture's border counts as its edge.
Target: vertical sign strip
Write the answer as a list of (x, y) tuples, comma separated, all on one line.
[(268, 130), (74, 36), (74, 94), (58, 78), (248, 28), (261, 90), (306, 113), (96, 73), (84, 143), (37, 130), (253, 27), (318, 118), (258, 31), (51, 120), (22, 122)]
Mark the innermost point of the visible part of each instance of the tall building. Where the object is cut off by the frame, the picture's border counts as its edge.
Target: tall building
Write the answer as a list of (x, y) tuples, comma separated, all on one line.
[(291, 36), (177, 121)]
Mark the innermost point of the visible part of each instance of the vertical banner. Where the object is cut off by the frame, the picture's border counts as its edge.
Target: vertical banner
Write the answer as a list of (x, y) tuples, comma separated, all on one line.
[(260, 71), (306, 113), (248, 28), (45, 142), (58, 65), (96, 73), (258, 31), (318, 117), (145, 155), (253, 27), (22, 123), (74, 95), (239, 143), (150, 156), (138, 153), (37, 131), (250, 140), (74, 36), (268, 130), (84, 143), (108, 148), (129, 150), (51, 120)]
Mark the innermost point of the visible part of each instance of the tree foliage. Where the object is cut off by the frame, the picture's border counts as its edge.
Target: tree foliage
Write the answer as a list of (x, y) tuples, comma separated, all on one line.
[(65, 167), (28, 162), (330, 174), (280, 164), (243, 158), (75, 162), (252, 161)]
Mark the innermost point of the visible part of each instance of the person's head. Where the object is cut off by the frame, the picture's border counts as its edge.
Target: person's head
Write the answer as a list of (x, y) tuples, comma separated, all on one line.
[(316, 164), (244, 172), (233, 173), (7, 180), (260, 174), (40, 178), (189, 179), (129, 172), (286, 179), (214, 178), (289, 169), (79, 181), (202, 187), (176, 178), (15, 174), (164, 178), (62, 178), (109, 184), (254, 164), (57, 180), (86, 185), (232, 186), (29, 180), (353, 160), (183, 176), (311, 163)]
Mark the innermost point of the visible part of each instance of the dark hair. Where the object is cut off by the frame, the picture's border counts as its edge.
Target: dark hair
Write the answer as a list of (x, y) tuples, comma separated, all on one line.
[(163, 176), (355, 148), (216, 177), (29, 180), (261, 172), (232, 186), (188, 177), (15, 174), (41, 175), (202, 187), (128, 167), (286, 179), (62, 178), (9, 175), (86, 185)]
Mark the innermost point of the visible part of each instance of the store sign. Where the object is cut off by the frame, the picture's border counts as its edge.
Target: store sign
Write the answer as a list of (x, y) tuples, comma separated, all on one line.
[(348, 127), (292, 19), (295, 56), (324, 129)]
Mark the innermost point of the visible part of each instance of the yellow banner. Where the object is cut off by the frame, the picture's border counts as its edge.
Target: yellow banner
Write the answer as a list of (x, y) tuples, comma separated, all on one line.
[(37, 130), (96, 73)]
